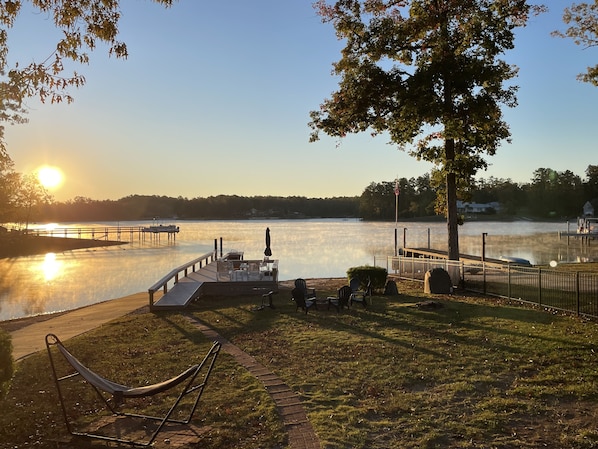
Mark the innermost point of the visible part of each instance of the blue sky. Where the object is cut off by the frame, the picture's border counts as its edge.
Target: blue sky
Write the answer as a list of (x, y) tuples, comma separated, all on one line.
[(215, 98)]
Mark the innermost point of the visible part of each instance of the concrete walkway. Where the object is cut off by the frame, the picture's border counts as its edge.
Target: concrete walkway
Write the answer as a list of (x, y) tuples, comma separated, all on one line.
[(31, 339)]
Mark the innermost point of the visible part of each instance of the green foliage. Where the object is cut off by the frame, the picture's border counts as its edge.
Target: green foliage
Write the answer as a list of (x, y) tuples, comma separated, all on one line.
[(6, 362), (416, 199), (377, 275), (582, 19), (82, 24), (427, 73), (553, 193), (141, 207), (419, 65)]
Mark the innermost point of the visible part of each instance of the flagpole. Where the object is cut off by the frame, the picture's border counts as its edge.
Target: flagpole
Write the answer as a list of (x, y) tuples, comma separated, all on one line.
[(397, 192)]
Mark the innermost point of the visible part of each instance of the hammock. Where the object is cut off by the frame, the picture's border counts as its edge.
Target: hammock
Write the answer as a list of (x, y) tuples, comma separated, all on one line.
[(121, 392)]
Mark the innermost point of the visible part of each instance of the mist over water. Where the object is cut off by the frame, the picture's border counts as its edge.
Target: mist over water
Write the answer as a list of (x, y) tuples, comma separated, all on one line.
[(305, 248)]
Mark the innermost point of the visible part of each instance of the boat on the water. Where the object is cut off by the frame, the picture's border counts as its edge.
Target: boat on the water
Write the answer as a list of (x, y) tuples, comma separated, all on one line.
[(515, 260), (161, 228)]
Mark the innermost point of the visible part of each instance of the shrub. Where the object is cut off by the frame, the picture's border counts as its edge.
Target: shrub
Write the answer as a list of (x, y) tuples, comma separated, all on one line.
[(376, 274), (6, 362)]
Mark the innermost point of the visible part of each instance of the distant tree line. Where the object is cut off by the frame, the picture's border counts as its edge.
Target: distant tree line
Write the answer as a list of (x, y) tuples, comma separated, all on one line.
[(139, 207), (550, 194)]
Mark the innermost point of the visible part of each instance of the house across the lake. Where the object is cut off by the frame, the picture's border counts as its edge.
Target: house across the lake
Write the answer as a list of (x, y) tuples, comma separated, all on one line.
[(588, 209), (467, 208)]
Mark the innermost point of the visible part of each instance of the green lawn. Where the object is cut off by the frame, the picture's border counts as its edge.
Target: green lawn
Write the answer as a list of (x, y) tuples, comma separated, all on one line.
[(472, 372)]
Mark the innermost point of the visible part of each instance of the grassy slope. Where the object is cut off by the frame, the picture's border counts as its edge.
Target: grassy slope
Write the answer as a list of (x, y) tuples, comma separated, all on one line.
[(473, 372)]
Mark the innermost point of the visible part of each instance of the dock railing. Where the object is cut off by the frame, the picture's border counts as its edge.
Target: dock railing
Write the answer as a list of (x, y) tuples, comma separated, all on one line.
[(247, 270), (102, 232), (173, 277)]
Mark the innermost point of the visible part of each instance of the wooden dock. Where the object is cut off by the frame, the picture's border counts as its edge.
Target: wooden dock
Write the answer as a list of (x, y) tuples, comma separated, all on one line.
[(428, 253), (180, 295), (108, 232), (208, 275), (585, 237)]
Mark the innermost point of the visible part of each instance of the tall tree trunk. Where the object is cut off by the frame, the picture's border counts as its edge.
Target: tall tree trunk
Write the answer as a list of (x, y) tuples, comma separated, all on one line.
[(452, 219), (449, 153)]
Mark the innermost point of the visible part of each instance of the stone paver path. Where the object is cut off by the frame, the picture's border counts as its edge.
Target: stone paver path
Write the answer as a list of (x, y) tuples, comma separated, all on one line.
[(300, 431)]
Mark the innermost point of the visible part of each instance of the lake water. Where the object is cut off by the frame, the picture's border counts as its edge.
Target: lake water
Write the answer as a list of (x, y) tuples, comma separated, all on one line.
[(305, 248)]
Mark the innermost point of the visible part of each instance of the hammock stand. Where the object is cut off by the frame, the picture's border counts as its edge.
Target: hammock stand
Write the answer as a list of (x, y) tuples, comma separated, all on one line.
[(120, 392)]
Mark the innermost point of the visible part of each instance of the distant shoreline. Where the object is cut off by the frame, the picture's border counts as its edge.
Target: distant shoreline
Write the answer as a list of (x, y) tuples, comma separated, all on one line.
[(30, 245)]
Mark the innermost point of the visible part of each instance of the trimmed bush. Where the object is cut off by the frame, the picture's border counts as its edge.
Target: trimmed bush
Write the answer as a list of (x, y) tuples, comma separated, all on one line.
[(6, 362), (376, 274)]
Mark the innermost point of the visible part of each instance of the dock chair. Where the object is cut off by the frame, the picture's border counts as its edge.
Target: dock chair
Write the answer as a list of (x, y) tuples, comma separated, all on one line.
[(190, 382), (309, 293), (359, 295), (299, 297), (342, 299)]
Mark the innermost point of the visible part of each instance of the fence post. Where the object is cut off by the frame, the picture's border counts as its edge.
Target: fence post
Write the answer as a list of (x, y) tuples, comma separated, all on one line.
[(577, 292), (509, 280), (540, 287), (484, 277)]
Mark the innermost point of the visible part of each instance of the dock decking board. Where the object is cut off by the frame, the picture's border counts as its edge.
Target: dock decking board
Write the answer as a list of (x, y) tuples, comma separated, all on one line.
[(440, 254), (180, 294)]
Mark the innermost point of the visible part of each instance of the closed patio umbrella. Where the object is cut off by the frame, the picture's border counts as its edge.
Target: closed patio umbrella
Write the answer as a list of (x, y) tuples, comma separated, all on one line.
[(267, 251)]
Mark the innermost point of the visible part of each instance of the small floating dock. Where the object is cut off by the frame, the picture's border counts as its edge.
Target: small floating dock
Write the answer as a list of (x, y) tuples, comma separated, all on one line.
[(227, 276)]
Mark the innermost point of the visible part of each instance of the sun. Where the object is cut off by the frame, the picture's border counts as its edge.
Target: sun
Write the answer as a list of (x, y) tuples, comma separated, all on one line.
[(50, 177)]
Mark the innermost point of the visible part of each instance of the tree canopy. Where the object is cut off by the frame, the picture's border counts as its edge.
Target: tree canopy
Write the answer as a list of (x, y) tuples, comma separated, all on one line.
[(582, 19), (84, 23), (428, 73)]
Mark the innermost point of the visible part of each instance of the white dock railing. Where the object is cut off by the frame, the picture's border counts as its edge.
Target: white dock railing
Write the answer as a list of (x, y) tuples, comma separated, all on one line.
[(173, 277)]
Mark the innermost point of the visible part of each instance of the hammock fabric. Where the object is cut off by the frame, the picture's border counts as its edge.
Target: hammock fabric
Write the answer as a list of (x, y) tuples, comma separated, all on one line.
[(121, 392)]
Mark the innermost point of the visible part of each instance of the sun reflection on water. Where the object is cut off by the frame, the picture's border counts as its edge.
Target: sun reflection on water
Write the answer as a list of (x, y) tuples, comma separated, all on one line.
[(49, 226), (51, 267)]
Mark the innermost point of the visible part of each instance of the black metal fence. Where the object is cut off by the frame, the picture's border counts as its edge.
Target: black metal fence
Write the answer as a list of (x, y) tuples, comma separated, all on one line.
[(569, 291)]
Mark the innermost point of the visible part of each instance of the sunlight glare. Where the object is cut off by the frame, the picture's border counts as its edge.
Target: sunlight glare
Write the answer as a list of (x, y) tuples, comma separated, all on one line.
[(50, 267), (50, 177), (50, 226)]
